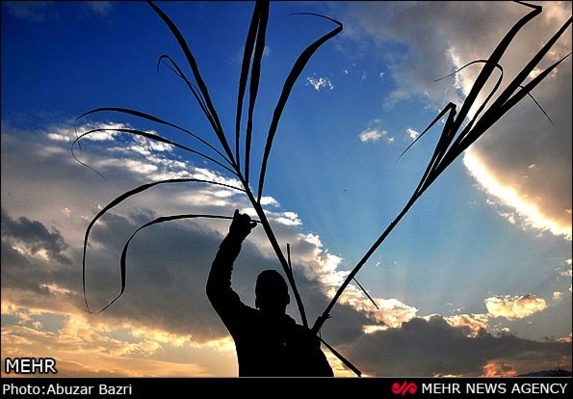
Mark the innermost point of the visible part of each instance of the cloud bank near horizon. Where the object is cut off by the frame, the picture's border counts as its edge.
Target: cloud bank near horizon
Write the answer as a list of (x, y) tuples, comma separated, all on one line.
[(163, 325)]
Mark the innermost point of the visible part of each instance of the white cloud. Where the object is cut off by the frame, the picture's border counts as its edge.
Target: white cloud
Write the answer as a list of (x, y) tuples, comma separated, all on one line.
[(530, 211), (557, 296), (374, 132), (269, 201), (412, 134), (149, 146), (67, 133), (288, 219), (476, 323), (372, 135), (372, 328), (514, 307), (319, 83), (566, 273), (392, 312)]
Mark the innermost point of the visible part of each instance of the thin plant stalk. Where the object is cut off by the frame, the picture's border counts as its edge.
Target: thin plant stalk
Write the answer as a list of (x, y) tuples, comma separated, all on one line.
[(449, 147), (251, 66)]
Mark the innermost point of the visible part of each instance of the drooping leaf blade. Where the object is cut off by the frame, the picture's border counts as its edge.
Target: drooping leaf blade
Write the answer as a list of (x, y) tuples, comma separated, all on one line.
[(490, 65), (153, 137), (123, 258), (444, 155), (174, 67), (118, 200), (198, 78), (151, 118)]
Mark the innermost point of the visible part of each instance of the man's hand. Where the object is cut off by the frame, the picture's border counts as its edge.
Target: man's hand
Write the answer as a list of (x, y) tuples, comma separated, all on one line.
[(241, 225)]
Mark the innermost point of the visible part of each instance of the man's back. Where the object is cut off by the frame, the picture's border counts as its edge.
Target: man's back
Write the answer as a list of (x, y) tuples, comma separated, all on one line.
[(274, 347), (268, 344)]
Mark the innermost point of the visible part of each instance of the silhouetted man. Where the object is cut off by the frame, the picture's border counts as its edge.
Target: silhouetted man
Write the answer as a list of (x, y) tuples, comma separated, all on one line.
[(268, 341)]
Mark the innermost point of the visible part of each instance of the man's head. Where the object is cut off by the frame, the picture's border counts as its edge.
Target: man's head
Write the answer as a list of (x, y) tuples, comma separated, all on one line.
[(271, 293)]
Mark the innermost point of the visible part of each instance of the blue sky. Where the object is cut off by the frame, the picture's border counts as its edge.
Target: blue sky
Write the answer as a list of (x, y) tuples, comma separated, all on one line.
[(487, 250)]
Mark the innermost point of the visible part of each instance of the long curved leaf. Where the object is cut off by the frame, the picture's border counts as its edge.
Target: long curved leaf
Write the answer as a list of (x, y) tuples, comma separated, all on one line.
[(255, 78), (174, 67), (526, 90), (151, 118), (198, 78), (159, 220), (446, 109), (153, 137), (444, 143), (491, 63), (540, 107), (526, 71), (447, 148), (487, 99), (293, 76), (121, 199), (247, 56)]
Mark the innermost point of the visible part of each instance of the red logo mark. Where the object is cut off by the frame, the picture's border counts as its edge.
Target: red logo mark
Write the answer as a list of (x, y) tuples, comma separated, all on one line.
[(404, 388)]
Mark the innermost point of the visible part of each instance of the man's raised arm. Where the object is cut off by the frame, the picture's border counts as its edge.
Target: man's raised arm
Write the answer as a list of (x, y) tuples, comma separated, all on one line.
[(219, 290)]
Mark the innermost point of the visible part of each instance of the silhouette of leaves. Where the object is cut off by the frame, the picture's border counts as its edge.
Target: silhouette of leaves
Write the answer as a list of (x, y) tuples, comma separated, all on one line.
[(454, 140), (458, 133), (223, 156)]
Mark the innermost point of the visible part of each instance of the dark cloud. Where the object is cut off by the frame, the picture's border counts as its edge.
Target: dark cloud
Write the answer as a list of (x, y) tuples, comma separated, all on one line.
[(167, 264), (433, 347), (167, 269), (13, 263), (26, 277), (35, 236)]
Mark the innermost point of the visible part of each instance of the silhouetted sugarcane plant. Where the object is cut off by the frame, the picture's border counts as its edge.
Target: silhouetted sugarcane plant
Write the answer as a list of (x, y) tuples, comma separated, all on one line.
[(224, 157), (454, 138)]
